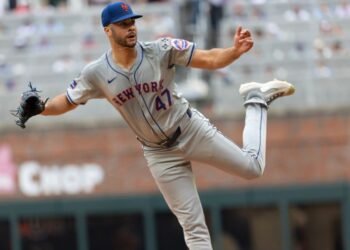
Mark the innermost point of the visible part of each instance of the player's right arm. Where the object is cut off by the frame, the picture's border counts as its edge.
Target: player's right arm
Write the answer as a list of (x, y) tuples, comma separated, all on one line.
[(58, 105), (82, 88)]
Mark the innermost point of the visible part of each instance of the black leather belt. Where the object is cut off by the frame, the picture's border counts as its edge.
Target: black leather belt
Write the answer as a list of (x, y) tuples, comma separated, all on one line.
[(189, 112), (172, 140)]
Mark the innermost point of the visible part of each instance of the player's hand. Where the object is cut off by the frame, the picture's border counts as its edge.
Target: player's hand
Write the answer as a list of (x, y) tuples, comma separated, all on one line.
[(243, 40)]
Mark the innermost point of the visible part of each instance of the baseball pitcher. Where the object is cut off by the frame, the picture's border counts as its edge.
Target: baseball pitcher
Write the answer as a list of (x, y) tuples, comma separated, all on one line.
[(137, 78)]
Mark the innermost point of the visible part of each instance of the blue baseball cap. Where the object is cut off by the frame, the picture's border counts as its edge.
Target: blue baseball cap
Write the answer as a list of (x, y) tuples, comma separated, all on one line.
[(117, 12)]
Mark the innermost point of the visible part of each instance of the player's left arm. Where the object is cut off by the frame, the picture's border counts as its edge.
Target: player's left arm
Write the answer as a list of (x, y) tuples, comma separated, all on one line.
[(221, 57)]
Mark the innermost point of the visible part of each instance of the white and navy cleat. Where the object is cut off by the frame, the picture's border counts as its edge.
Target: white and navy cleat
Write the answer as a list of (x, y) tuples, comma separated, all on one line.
[(265, 93)]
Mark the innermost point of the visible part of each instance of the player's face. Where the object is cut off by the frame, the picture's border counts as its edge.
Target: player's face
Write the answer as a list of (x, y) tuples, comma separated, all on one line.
[(124, 33)]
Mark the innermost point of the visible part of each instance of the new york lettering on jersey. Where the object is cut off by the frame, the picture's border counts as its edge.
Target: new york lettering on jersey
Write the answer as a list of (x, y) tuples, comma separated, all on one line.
[(139, 89)]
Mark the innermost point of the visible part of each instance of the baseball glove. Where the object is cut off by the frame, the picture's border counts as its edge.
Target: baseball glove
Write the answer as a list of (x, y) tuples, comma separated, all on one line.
[(31, 104)]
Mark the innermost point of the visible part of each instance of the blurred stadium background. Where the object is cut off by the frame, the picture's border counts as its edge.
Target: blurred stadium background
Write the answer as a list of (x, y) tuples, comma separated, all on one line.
[(79, 181)]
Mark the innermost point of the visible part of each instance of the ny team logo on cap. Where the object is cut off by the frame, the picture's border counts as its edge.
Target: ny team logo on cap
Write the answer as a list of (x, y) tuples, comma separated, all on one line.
[(117, 12), (125, 7)]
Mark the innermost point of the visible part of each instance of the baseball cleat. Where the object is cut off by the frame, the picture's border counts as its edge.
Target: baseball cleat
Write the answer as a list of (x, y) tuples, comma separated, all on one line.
[(269, 91)]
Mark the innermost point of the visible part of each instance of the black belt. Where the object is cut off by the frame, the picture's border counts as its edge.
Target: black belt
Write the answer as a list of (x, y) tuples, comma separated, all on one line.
[(172, 140)]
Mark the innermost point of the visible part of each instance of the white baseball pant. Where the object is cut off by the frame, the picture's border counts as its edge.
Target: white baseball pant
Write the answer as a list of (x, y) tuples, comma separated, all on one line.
[(201, 141)]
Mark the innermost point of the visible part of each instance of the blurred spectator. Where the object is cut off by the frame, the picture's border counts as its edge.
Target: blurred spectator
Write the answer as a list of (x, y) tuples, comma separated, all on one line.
[(326, 27), (258, 12), (297, 50), (12, 4), (57, 3), (6, 74), (323, 12), (216, 12), (64, 64), (238, 11), (44, 44), (322, 70), (326, 51), (24, 34), (189, 13), (342, 9), (2, 7), (88, 40), (299, 47), (225, 76), (192, 7), (98, 2), (297, 13), (258, 33), (273, 30), (51, 26), (322, 50), (22, 6), (337, 47)]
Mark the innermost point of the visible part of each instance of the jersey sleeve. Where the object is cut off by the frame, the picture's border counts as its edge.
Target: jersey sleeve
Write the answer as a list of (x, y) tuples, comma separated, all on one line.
[(176, 51), (84, 87)]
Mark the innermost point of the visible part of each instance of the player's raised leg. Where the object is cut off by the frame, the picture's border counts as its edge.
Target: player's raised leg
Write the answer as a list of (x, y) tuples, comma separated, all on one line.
[(257, 97), (219, 151)]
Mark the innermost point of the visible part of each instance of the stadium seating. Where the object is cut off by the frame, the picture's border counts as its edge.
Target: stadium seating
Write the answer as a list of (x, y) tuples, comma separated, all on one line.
[(304, 42)]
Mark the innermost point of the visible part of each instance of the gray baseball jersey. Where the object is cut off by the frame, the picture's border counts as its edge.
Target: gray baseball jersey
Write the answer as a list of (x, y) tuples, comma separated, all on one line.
[(145, 95)]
